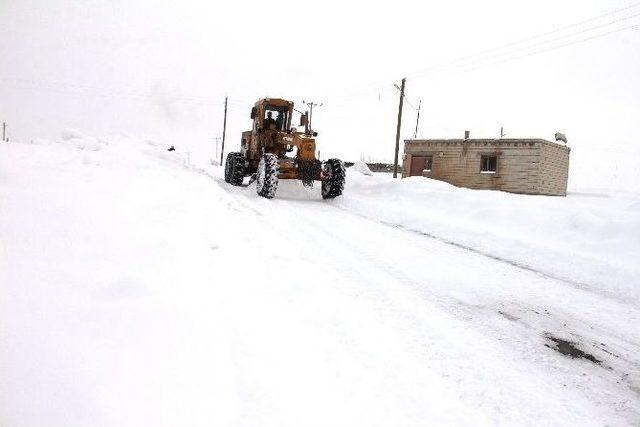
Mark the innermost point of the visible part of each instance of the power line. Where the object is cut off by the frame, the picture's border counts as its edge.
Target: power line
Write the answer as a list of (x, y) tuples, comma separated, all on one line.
[(519, 53), (576, 24), (457, 66), (406, 98), (109, 92), (481, 59), (445, 69), (537, 36), (473, 68), (463, 64), (404, 95)]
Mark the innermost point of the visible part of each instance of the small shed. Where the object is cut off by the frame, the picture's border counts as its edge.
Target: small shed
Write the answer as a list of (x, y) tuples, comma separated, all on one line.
[(527, 166)]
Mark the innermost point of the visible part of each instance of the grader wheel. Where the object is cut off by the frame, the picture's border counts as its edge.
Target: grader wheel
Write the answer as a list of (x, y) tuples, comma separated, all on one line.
[(334, 173), (267, 176)]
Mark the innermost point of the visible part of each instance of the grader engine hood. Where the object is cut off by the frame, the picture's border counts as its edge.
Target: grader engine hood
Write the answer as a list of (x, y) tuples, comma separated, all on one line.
[(306, 145)]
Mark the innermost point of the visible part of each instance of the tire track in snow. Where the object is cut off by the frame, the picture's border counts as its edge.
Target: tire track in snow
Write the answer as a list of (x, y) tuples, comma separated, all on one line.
[(526, 268), (480, 316), (589, 287), (301, 220), (329, 205), (575, 283), (622, 369)]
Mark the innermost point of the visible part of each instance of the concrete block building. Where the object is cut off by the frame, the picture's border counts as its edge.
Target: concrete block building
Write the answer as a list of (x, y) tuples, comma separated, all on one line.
[(527, 166)]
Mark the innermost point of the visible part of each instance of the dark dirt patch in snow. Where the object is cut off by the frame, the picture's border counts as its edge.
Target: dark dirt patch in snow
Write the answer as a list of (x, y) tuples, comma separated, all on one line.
[(569, 348)]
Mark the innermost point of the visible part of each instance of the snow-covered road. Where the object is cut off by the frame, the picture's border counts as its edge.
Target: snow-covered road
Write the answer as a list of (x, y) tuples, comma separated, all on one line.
[(442, 324), (144, 292)]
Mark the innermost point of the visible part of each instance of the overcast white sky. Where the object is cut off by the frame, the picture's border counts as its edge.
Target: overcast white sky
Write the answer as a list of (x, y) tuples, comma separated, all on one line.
[(162, 69)]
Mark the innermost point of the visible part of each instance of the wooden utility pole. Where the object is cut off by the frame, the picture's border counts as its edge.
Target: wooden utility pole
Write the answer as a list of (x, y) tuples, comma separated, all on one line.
[(415, 134), (311, 105), (395, 157), (4, 131), (224, 130)]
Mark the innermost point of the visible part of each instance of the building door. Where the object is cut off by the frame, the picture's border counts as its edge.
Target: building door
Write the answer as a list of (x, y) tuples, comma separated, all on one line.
[(418, 164)]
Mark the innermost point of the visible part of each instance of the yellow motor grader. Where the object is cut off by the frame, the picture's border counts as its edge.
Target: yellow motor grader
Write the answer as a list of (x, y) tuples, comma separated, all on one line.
[(273, 150)]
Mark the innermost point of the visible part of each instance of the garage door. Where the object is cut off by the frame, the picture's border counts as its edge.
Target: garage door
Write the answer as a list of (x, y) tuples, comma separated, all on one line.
[(418, 164)]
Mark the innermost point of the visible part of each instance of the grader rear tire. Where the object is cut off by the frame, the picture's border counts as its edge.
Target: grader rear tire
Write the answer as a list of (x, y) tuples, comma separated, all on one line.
[(227, 167), (267, 176), (333, 185), (234, 168), (237, 170)]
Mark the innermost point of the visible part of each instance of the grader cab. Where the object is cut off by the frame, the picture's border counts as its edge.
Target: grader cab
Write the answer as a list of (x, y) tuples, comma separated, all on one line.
[(273, 150)]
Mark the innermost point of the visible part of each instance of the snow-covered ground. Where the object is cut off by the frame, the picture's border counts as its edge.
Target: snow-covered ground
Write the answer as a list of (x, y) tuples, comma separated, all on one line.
[(139, 289), (590, 238)]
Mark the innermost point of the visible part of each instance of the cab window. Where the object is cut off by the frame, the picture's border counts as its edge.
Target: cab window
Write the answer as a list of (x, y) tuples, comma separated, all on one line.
[(276, 118)]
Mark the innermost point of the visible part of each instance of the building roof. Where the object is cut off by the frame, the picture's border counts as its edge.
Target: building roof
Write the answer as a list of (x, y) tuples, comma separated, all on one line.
[(484, 140)]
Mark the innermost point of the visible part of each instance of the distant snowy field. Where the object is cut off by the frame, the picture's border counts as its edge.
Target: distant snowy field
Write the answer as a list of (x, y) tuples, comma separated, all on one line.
[(137, 288)]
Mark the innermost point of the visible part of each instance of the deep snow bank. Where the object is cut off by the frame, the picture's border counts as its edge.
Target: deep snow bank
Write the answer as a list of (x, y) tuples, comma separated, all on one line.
[(106, 271), (590, 239)]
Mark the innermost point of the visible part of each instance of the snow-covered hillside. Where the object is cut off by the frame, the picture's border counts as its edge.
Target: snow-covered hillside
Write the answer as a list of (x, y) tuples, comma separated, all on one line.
[(137, 288)]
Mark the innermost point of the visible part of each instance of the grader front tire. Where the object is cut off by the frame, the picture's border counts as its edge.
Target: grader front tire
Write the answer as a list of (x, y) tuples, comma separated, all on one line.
[(335, 175), (267, 176)]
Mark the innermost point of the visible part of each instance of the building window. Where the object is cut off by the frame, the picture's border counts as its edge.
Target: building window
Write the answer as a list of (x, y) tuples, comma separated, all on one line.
[(428, 163), (488, 164)]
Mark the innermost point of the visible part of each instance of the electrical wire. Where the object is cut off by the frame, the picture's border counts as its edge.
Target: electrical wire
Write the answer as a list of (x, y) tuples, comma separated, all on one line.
[(514, 50), (530, 38), (540, 51), (446, 69), (479, 60)]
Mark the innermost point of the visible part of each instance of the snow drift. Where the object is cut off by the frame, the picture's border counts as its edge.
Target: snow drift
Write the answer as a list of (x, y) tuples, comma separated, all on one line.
[(589, 238)]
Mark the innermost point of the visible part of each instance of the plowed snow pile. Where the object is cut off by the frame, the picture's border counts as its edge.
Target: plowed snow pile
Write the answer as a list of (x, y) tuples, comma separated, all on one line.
[(137, 289), (589, 238)]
